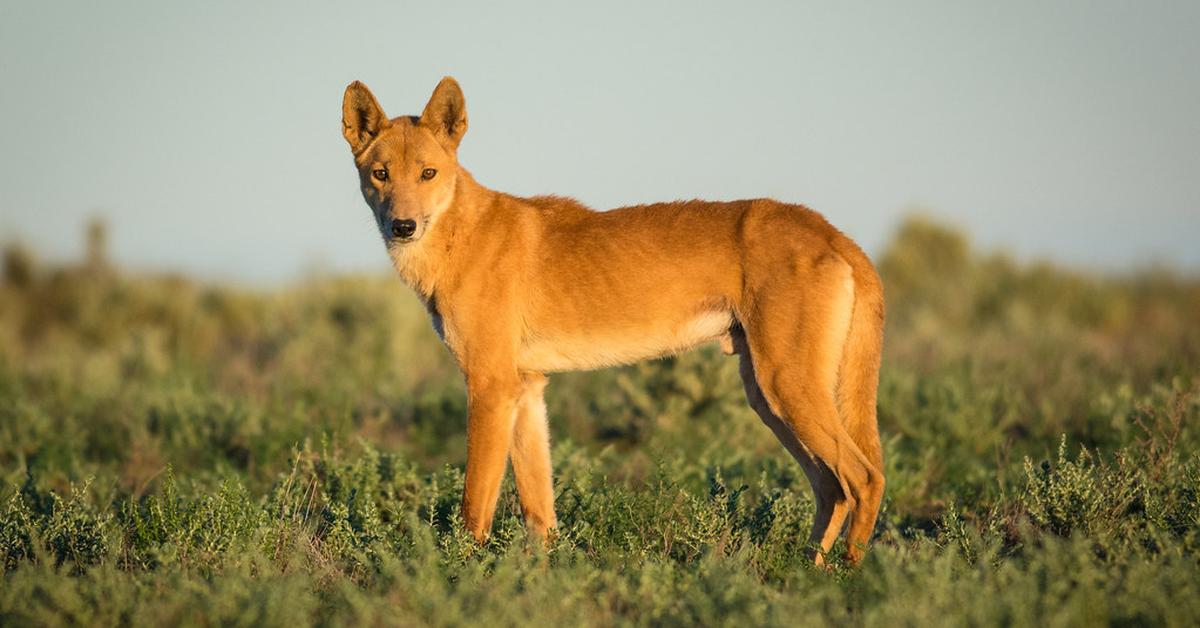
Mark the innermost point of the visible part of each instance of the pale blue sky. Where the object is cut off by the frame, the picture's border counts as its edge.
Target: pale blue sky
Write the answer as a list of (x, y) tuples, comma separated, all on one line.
[(209, 132)]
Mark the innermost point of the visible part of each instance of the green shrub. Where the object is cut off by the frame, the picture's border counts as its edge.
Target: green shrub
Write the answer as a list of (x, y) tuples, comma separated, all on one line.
[(196, 409)]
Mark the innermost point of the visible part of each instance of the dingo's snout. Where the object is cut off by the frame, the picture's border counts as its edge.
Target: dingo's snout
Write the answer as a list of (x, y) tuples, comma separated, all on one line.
[(403, 229)]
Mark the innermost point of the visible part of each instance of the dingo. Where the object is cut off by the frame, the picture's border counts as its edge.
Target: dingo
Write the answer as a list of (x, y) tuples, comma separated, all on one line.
[(518, 287)]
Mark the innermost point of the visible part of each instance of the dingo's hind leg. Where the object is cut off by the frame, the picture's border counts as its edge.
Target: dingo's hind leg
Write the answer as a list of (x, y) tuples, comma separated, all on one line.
[(796, 329), (832, 506)]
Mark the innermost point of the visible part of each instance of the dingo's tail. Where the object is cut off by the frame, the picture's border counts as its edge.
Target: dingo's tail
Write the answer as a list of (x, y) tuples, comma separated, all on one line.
[(858, 375)]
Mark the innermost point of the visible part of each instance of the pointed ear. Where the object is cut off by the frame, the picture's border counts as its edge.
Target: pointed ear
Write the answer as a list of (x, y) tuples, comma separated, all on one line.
[(362, 117), (446, 113)]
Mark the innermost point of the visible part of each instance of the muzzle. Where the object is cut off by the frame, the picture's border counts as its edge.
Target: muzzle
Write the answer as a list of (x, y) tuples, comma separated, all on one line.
[(403, 229)]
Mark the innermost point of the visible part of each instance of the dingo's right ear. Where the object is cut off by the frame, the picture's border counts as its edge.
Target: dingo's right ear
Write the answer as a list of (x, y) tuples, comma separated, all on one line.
[(362, 117)]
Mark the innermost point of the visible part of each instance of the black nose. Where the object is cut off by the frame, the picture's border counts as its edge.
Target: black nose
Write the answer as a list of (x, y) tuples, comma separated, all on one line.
[(404, 228)]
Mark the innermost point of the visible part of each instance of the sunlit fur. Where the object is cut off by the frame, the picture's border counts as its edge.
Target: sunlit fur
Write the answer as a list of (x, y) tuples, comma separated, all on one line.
[(518, 287)]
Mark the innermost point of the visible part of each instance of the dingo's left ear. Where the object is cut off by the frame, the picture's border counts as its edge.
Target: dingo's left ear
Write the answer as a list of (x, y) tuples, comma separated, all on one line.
[(446, 113), (362, 117)]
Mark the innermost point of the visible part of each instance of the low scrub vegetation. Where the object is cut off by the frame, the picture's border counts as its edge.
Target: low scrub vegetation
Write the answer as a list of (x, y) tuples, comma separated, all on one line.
[(175, 452)]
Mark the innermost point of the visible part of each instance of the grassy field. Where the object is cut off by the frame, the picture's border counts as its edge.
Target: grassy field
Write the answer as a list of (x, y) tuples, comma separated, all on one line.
[(173, 452)]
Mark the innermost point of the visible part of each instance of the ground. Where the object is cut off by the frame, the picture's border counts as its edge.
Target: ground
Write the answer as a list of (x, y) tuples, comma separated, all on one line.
[(179, 452)]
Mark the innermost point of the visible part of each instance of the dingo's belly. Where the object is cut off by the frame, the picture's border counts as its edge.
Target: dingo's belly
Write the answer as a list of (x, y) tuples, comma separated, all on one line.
[(552, 350)]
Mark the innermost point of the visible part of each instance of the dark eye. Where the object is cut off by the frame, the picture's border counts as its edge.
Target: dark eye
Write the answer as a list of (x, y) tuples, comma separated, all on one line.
[(380, 174), (428, 174)]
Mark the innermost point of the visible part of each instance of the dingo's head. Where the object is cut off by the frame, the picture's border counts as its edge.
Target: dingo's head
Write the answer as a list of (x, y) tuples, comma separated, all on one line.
[(407, 166)]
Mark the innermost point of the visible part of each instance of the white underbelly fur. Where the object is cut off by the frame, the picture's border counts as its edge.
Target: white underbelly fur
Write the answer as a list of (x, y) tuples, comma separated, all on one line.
[(550, 353)]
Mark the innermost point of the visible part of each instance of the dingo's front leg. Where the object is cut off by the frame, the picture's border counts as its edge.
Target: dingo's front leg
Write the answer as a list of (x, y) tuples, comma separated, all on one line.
[(531, 457), (492, 406)]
